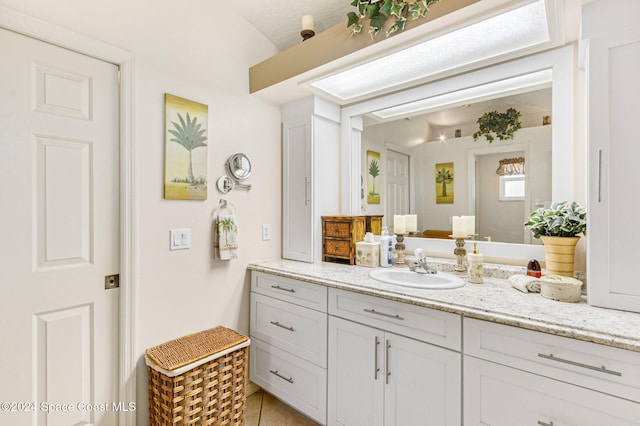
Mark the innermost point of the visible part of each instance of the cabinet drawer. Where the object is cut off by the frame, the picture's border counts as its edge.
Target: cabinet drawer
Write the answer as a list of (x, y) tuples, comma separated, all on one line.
[(437, 327), (299, 383), (337, 229), (611, 370), (337, 247), (298, 330), (502, 396), (312, 296)]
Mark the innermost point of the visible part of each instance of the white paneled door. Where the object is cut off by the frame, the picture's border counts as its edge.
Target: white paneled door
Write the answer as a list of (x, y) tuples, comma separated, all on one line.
[(397, 185), (59, 212)]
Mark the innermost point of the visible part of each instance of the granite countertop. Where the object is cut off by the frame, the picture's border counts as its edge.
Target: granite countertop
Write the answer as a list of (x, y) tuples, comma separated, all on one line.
[(494, 300)]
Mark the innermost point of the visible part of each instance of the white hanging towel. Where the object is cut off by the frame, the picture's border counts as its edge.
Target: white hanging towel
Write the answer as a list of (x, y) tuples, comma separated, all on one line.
[(227, 237)]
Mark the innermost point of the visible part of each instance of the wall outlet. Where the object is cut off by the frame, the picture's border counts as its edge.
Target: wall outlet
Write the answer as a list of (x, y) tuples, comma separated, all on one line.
[(266, 232), (180, 239)]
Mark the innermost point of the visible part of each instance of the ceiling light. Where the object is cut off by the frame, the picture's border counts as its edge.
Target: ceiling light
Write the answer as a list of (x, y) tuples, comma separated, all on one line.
[(513, 30), (511, 86)]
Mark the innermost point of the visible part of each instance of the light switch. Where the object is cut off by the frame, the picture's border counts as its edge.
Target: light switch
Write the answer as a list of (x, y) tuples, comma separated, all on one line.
[(180, 239), (266, 232)]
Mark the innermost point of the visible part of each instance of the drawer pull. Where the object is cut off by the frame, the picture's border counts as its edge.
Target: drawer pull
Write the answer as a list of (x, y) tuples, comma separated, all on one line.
[(275, 373), (336, 229), (277, 324), (373, 311), (277, 287), (541, 423), (336, 247), (602, 369), (375, 349), (387, 361)]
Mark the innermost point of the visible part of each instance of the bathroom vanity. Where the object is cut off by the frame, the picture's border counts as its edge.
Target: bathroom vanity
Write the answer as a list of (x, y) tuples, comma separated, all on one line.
[(347, 350)]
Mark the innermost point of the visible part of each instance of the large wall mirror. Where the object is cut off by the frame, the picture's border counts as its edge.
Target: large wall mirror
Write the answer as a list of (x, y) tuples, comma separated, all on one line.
[(406, 128)]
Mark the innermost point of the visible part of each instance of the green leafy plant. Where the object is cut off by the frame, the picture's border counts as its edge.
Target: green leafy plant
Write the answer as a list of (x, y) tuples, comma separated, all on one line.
[(374, 171), (190, 135), (560, 220), (503, 125), (444, 176), (379, 11)]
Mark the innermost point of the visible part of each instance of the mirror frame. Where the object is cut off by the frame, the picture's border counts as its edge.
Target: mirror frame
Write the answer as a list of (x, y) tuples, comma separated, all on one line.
[(234, 171), (563, 65)]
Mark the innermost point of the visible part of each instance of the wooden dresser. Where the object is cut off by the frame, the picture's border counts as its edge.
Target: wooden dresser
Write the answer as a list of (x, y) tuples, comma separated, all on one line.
[(339, 237)]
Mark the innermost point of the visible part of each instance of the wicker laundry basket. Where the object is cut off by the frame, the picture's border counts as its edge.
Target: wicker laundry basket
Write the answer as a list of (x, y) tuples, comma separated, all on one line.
[(198, 379)]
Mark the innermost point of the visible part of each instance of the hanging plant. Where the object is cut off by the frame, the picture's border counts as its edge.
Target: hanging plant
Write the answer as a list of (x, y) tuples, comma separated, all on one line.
[(502, 125), (379, 11)]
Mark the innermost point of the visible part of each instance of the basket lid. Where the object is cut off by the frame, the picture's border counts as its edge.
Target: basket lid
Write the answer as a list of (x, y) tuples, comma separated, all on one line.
[(194, 347)]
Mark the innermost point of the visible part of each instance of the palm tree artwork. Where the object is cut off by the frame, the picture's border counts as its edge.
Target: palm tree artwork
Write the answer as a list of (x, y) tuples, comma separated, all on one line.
[(227, 224), (444, 177), (373, 171), (190, 135), (185, 172)]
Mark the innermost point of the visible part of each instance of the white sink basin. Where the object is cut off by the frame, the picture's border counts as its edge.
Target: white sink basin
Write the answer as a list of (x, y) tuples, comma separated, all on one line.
[(407, 278)]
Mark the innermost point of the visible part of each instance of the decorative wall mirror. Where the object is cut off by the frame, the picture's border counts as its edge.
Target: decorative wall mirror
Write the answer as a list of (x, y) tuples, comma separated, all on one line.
[(239, 167), (559, 62)]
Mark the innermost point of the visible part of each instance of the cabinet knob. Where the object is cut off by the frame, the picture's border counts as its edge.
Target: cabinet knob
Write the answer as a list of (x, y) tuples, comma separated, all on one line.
[(336, 247), (336, 229)]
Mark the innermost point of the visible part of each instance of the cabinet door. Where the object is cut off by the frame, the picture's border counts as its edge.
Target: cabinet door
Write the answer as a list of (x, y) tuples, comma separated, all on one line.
[(502, 396), (424, 383), (356, 374), (614, 90), (297, 230)]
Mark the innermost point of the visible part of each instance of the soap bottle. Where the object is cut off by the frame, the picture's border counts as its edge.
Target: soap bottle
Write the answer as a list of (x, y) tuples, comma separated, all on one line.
[(475, 266), (533, 269), (386, 247)]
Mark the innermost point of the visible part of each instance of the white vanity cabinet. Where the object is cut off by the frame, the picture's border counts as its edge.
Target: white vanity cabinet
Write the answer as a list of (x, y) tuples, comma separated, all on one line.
[(310, 174), (388, 372), (288, 329), (515, 376), (611, 32)]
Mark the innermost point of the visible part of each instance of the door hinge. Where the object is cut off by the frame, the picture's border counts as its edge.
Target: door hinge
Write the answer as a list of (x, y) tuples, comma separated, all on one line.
[(111, 281)]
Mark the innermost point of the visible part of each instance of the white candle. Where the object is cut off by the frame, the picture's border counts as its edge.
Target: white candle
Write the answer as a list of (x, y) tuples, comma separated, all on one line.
[(307, 22), (458, 226), (411, 221), (399, 224), (463, 226), (471, 224)]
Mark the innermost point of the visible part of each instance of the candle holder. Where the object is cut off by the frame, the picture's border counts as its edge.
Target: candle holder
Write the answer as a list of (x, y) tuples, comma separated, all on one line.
[(400, 250), (307, 34), (460, 253)]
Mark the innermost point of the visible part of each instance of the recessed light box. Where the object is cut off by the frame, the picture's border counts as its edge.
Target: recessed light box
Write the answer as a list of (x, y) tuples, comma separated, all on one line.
[(515, 30)]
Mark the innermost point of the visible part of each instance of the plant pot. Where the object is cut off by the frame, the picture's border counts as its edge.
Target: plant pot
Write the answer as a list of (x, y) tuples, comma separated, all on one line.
[(559, 253)]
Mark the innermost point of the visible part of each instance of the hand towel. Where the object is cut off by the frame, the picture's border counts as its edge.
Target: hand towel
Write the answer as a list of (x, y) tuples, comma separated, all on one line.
[(226, 243), (525, 283)]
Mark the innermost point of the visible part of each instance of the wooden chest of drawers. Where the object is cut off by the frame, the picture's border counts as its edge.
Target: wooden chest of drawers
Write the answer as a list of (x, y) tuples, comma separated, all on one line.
[(339, 237)]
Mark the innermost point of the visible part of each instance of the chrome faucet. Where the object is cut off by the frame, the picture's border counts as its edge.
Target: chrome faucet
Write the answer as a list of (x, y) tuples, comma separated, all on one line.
[(420, 265)]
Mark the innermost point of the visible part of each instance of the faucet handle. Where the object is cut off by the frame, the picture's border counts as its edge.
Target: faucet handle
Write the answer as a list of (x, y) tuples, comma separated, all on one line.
[(419, 254)]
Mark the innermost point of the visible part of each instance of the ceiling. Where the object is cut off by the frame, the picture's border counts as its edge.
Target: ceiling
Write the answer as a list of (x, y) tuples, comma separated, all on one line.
[(281, 21)]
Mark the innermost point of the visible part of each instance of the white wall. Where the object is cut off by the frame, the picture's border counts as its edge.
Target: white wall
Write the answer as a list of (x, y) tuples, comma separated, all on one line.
[(197, 50)]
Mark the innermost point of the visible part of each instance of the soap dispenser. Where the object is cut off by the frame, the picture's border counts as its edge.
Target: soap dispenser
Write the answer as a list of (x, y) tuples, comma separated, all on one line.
[(386, 247), (475, 267)]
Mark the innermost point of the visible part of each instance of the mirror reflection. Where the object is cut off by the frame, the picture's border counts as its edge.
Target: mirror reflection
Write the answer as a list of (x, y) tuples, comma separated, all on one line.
[(430, 165), (239, 166)]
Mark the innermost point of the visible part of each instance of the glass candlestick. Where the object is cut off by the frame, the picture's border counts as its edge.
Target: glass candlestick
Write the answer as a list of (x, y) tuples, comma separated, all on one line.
[(400, 250), (460, 253)]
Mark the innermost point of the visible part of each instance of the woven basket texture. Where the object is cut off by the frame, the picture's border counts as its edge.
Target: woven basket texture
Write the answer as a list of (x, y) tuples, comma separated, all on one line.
[(210, 394)]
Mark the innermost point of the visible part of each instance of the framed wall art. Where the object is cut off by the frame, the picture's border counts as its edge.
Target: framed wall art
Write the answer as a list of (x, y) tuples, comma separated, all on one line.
[(186, 133)]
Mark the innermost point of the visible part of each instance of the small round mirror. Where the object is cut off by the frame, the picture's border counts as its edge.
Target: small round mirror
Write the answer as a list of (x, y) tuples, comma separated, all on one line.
[(239, 166)]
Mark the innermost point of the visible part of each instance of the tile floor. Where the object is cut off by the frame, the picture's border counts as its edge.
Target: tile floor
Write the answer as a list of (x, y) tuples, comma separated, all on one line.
[(265, 410)]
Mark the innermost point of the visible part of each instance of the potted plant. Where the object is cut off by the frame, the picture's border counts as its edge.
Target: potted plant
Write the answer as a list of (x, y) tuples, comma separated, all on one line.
[(559, 227), (378, 11), (501, 124)]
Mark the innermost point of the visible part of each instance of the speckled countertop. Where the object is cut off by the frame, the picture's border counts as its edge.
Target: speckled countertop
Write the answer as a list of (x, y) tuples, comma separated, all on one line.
[(495, 301)]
